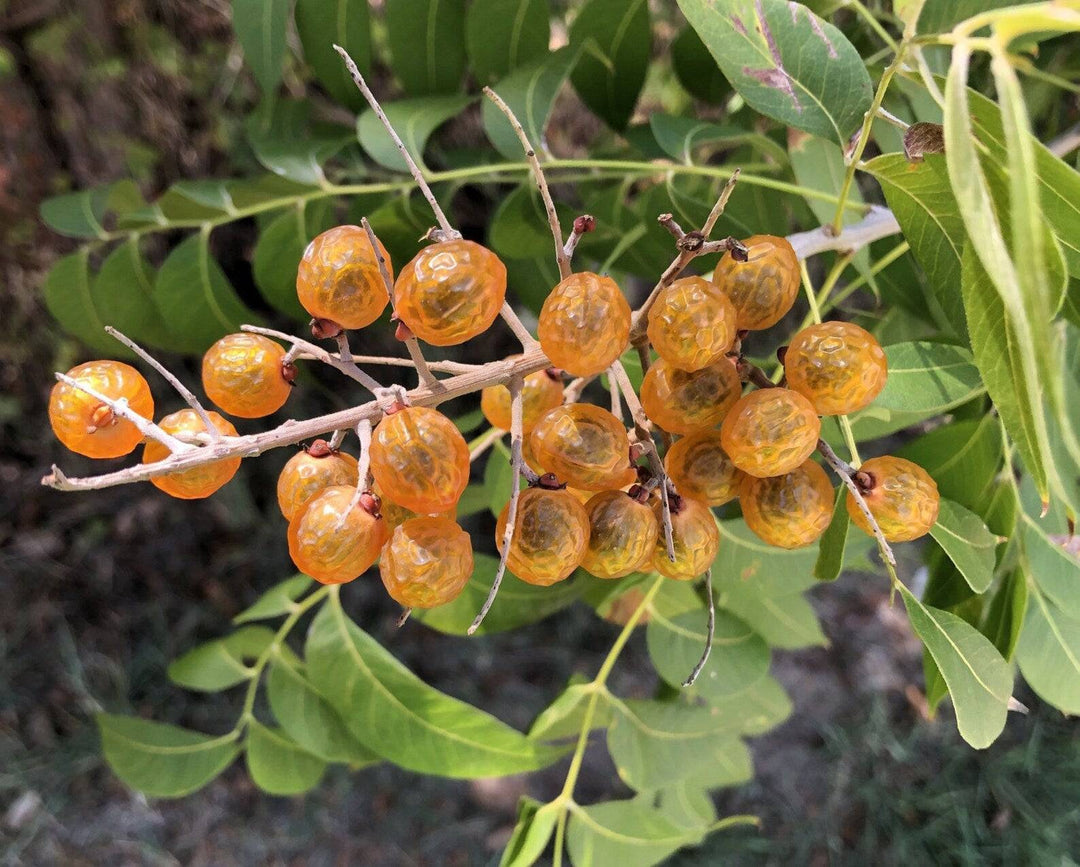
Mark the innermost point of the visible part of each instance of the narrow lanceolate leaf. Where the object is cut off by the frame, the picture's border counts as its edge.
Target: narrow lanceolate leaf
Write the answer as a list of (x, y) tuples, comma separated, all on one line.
[(963, 458), (427, 44), (626, 833), (564, 717), (278, 252), (69, 299), (686, 138), (163, 761), (963, 536), (414, 120), (534, 827), (391, 711), (276, 601), (1049, 651), (1006, 614), (123, 292), (830, 559), (501, 35), (260, 26), (1051, 567), (696, 69), (322, 24), (940, 16), (277, 764), (786, 62), (979, 679), (221, 663)]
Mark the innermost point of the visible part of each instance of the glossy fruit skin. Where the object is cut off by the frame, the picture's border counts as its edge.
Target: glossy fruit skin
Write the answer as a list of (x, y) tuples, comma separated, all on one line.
[(770, 432), (331, 542), (541, 392), (788, 511), (700, 469), (305, 475), (426, 562), (450, 292), (241, 374), (696, 541), (838, 366), (585, 446), (904, 499), (764, 288), (395, 514), (692, 324), (622, 534), (339, 279), (584, 324), (682, 401), (198, 482), (551, 531), (84, 424), (420, 459)]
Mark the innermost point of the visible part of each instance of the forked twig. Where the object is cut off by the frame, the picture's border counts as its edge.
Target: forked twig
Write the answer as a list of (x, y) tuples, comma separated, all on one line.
[(344, 364), (710, 631)]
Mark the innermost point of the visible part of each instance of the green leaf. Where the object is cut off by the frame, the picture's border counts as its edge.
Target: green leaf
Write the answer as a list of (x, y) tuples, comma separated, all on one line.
[(84, 214), (830, 559), (123, 292), (940, 16), (279, 250), (688, 139), (756, 710), (745, 561), (616, 39), (163, 761), (979, 680), (534, 827), (427, 44), (260, 26), (626, 833), (498, 478), (277, 764), (786, 62), (473, 500), (971, 547), (322, 24), (963, 458), (414, 120), (221, 663), (687, 805), (787, 622), (564, 717), (69, 299), (1005, 616), (519, 228), (391, 711), (1051, 567), (276, 601), (501, 35), (286, 140), (696, 70), (1049, 652)]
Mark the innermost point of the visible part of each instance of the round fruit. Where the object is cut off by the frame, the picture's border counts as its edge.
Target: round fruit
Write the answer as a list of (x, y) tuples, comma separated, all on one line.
[(692, 323), (764, 287), (695, 537), (333, 538), (791, 510), (551, 531), (700, 469), (540, 392), (622, 534), (838, 366), (427, 562), (450, 292), (198, 482), (309, 471), (242, 374), (584, 446), (395, 514), (902, 498), (770, 432), (339, 279), (420, 459), (682, 401), (584, 324), (87, 426)]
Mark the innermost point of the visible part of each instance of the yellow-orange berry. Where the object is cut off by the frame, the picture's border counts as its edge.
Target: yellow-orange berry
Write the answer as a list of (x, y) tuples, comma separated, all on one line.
[(695, 538), (395, 514), (584, 446), (700, 469), (770, 432), (692, 323), (198, 482), (242, 374), (764, 287), (584, 324), (334, 538), (622, 534), (838, 366), (551, 531), (450, 292), (901, 496), (540, 392), (87, 426), (420, 459), (427, 562), (339, 279), (683, 401), (788, 511), (309, 471)]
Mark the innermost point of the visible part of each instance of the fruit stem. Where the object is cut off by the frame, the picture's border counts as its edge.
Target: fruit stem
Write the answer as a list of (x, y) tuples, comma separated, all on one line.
[(710, 630)]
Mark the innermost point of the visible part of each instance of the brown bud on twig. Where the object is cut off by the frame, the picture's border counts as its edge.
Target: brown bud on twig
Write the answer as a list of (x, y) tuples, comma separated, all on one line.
[(691, 242), (550, 482), (370, 504), (554, 373), (403, 332), (289, 372), (584, 223), (864, 481), (639, 493), (320, 449), (324, 328)]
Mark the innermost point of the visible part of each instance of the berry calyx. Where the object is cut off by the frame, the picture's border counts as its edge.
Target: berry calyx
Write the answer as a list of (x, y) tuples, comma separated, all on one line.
[(788, 511), (695, 538), (243, 375), (334, 538), (691, 324), (87, 426), (551, 531), (339, 280), (585, 446), (770, 432), (426, 562), (764, 287), (584, 324), (700, 469), (683, 401), (198, 482), (540, 392), (622, 534), (901, 496), (838, 366), (311, 470)]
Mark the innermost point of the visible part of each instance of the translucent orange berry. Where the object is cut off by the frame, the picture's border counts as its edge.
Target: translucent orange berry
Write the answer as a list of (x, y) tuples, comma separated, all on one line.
[(427, 562), (683, 401), (395, 514), (551, 531), (339, 279), (692, 323), (242, 374), (622, 534), (420, 459), (87, 426), (309, 471), (450, 292), (901, 496), (198, 482), (540, 392), (334, 538), (584, 446), (764, 287), (838, 366), (700, 469), (788, 511), (770, 432), (584, 324), (694, 535)]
